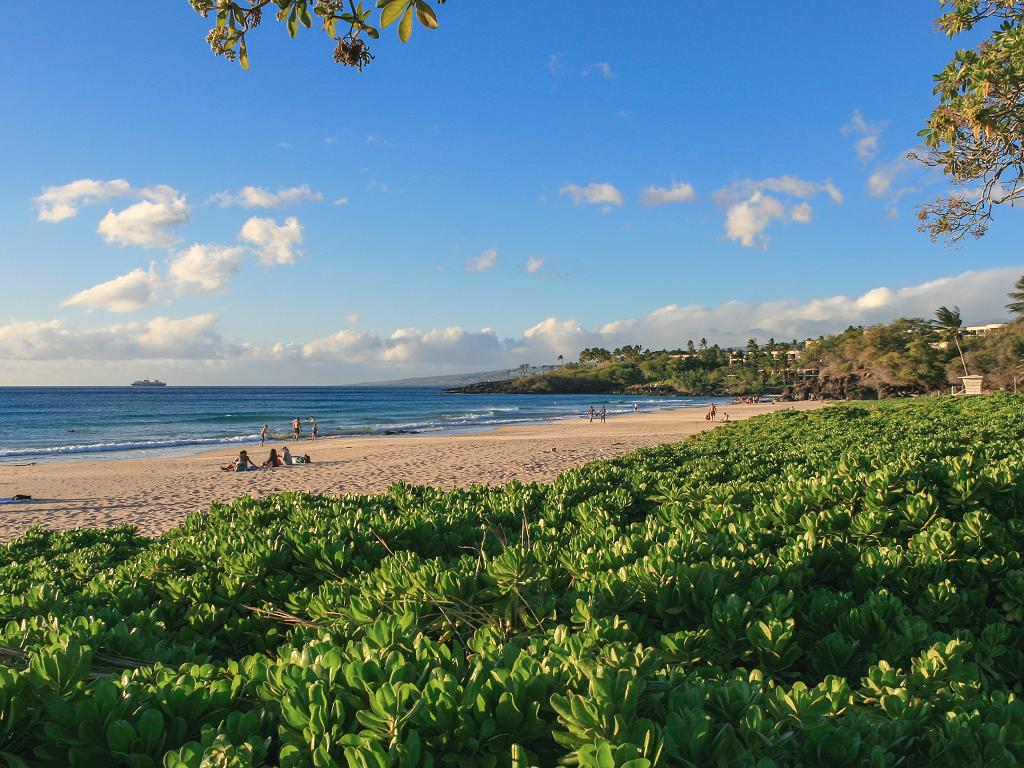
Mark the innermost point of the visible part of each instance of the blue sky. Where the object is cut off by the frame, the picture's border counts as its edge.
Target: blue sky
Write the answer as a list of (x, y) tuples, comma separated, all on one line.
[(531, 139)]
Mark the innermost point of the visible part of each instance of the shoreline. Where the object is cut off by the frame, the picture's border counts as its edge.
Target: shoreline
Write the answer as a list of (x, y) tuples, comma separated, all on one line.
[(156, 494), (174, 447)]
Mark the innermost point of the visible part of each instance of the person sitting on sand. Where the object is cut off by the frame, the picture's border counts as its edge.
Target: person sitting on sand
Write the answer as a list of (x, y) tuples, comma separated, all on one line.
[(725, 417), (274, 460), (286, 456), (241, 464), (306, 459)]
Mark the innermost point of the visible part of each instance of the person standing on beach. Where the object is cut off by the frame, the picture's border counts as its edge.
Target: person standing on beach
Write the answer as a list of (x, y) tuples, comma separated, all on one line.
[(263, 435), (604, 413), (591, 413), (296, 429), (636, 406), (315, 429), (712, 410)]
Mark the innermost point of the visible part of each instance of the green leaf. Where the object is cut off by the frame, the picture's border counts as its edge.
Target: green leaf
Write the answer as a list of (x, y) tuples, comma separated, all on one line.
[(392, 11), (405, 28), (426, 15), (120, 736)]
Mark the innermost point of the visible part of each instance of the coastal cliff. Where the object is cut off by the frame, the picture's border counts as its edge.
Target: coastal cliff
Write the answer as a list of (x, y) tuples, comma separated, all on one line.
[(566, 385)]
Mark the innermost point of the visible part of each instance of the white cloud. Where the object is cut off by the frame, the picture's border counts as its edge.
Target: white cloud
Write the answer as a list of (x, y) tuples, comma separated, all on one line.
[(793, 186), (882, 179), (261, 197), (801, 213), (981, 296), (190, 338), (274, 243), (556, 63), (126, 293), (534, 264), (349, 354), (867, 135), (353, 318), (602, 68), (340, 201), (747, 221), (679, 192), (749, 210), (148, 223), (598, 193), (406, 347), (483, 262), (59, 203), (204, 268)]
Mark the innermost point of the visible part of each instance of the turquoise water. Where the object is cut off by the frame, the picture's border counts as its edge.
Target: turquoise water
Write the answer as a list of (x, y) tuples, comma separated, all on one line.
[(119, 422)]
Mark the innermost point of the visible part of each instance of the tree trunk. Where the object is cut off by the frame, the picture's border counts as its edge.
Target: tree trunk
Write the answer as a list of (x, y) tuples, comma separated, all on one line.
[(963, 362)]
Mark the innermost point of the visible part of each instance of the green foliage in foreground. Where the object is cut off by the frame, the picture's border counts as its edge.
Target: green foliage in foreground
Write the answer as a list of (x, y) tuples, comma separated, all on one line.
[(837, 588)]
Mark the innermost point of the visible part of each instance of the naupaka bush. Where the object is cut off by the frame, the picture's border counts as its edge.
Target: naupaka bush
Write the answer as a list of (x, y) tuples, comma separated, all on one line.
[(842, 588)]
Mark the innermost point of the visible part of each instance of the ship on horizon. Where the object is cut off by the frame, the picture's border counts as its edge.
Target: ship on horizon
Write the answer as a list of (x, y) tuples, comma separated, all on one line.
[(149, 383)]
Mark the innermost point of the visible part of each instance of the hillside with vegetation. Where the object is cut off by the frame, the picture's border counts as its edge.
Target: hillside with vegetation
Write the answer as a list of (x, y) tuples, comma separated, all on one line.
[(909, 356), (694, 369), (843, 587)]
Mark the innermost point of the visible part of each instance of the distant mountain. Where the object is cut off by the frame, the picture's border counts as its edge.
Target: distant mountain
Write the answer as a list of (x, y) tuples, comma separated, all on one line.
[(458, 379)]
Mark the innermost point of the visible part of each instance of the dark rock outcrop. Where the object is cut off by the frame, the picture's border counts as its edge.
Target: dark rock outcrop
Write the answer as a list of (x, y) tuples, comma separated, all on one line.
[(850, 386), (563, 385)]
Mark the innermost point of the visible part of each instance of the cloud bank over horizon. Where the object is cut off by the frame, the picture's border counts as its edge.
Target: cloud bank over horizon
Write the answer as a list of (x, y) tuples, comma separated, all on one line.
[(193, 346)]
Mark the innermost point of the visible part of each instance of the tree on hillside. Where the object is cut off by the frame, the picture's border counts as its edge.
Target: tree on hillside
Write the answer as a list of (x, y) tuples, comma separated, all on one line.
[(976, 133), (948, 325), (561, 360), (346, 22), (1017, 305)]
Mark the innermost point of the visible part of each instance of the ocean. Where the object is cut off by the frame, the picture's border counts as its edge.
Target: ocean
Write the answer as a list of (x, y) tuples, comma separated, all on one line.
[(45, 423)]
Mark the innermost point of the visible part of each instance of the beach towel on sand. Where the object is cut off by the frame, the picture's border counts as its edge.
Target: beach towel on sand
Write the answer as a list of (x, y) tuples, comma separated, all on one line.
[(15, 500)]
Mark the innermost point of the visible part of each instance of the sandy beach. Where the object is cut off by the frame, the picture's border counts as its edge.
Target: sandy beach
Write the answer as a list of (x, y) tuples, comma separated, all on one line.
[(157, 494)]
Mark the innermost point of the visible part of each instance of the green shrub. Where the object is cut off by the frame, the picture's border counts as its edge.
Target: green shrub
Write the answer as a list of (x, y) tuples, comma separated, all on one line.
[(842, 587)]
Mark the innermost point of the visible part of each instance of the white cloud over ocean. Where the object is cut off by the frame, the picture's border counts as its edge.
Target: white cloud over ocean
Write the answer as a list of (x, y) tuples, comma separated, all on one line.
[(126, 293), (349, 355)]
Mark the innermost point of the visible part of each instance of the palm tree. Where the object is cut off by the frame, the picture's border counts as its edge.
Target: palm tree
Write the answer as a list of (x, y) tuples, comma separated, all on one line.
[(704, 342), (561, 360), (948, 324), (1017, 305)]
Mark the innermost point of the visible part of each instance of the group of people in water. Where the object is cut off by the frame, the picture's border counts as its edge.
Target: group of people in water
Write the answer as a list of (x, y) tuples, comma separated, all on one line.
[(603, 413), (283, 459), (314, 430)]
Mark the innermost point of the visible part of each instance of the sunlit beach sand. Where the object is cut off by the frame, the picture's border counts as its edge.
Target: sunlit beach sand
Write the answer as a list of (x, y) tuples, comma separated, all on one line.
[(157, 494)]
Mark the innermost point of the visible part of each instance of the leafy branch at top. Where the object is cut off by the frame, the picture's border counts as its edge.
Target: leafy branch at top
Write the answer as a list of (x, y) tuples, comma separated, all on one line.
[(976, 133), (346, 22)]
